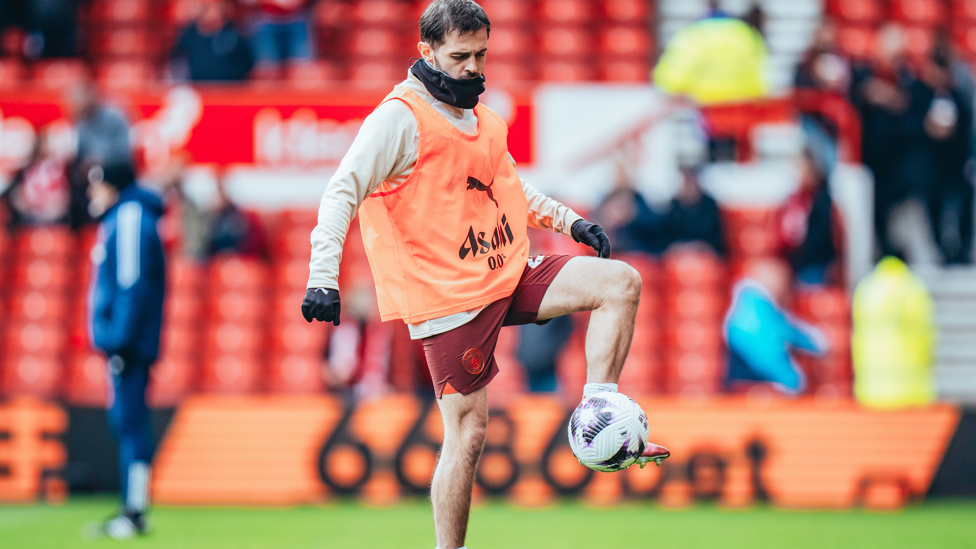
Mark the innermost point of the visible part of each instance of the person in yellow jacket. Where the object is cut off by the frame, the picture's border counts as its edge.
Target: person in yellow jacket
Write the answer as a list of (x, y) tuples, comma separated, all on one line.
[(718, 59), (893, 339)]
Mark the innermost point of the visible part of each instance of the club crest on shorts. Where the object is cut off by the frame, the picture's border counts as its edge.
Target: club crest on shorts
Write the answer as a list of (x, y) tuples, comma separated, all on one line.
[(473, 361)]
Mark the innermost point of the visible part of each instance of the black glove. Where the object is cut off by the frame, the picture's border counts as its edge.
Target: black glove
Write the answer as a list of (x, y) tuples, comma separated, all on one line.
[(321, 304), (593, 236)]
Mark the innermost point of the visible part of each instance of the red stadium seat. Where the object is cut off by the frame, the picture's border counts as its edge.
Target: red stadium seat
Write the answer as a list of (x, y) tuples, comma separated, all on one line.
[(292, 242), (375, 42), (919, 12), (171, 379), (126, 42), (735, 219), (964, 10), (36, 306), (183, 275), (296, 374), (509, 11), (181, 12), (88, 380), (300, 338), (694, 335), (59, 74), (566, 41), (566, 11), (627, 11), (753, 241), (313, 75), (125, 75), (695, 303), (381, 12), (45, 242), (510, 43), (33, 374), (292, 273), (694, 372), (234, 273), (857, 11), (232, 339), (626, 70), (642, 374), (33, 337), (857, 41), (333, 14), (625, 41), (182, 308), (12, 73), (965, 40), (685, 268), (41, 274), (230, 374), (305, 219), (377, 74), (555, 70), (919, 41), (120, 12), (285, 305), (822, 305), (180, 340), (237, 307)]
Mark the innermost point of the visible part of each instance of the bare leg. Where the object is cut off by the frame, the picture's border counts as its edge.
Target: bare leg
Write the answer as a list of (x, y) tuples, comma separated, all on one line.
[(611, 289), (465, 421)]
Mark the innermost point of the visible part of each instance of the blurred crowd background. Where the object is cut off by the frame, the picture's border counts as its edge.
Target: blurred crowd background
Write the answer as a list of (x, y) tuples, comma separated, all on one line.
[(742, 294)]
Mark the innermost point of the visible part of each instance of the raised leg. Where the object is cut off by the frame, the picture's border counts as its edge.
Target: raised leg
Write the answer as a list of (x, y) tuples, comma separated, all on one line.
[(611, 290)]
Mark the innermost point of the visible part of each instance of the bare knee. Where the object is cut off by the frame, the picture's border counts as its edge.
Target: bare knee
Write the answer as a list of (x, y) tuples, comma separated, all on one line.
[(625, 286), (468, 436)]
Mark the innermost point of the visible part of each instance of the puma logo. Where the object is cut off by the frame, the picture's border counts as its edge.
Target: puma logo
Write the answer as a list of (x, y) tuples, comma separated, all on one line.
[(475, 185)]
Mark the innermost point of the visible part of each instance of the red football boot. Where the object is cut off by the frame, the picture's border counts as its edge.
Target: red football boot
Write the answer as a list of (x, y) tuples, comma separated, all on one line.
[(655, 453)]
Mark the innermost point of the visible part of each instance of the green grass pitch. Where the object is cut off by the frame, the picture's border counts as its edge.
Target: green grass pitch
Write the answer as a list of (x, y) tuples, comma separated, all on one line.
[(347, 525)]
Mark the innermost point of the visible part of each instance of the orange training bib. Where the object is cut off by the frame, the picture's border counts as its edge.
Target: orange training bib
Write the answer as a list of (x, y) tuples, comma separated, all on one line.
[(452, 237)]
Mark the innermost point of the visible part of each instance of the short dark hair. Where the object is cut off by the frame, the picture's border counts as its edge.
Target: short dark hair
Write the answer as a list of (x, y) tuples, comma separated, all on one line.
[(446, 16), (119, 175)]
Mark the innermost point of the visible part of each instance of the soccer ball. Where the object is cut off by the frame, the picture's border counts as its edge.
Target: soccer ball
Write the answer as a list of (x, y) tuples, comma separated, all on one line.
[(607, 431)]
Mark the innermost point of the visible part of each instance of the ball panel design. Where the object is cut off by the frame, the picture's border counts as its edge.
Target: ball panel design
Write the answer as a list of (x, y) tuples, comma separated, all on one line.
[(607, 431)]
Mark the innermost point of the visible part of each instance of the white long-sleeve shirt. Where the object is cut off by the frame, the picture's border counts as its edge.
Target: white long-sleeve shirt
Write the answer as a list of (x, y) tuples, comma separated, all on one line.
[(386, 149)]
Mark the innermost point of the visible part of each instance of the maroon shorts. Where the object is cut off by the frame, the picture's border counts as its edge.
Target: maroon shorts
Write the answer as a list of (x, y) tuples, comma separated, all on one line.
[(463, 360)]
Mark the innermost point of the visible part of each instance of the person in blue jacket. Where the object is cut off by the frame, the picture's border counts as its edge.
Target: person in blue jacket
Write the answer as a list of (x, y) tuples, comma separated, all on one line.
[(126, 310), (761, 335)]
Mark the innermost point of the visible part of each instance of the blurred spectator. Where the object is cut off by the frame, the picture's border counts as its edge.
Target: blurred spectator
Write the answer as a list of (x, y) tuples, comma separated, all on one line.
[(760, 334), (948, 125), (632, 225), (694, 218), (893, 338), (717, 59), (235, 231), (103, 139), (39, 193), (13, 24), (126, 312), (823, 74), (538, 350), (892, 106), (282, 33), (53, 28), (808, 224), (211, 49)]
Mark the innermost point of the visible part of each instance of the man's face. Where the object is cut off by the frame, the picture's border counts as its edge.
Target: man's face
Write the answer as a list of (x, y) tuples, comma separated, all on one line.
[(460, 56), (101, 196)]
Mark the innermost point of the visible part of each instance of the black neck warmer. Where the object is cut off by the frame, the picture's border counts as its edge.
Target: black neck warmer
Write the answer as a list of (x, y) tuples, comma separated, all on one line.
[(457, 92)]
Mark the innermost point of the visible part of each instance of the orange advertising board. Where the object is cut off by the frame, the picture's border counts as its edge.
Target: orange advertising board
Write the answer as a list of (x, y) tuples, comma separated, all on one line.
[(31, 456), (803, 453)]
